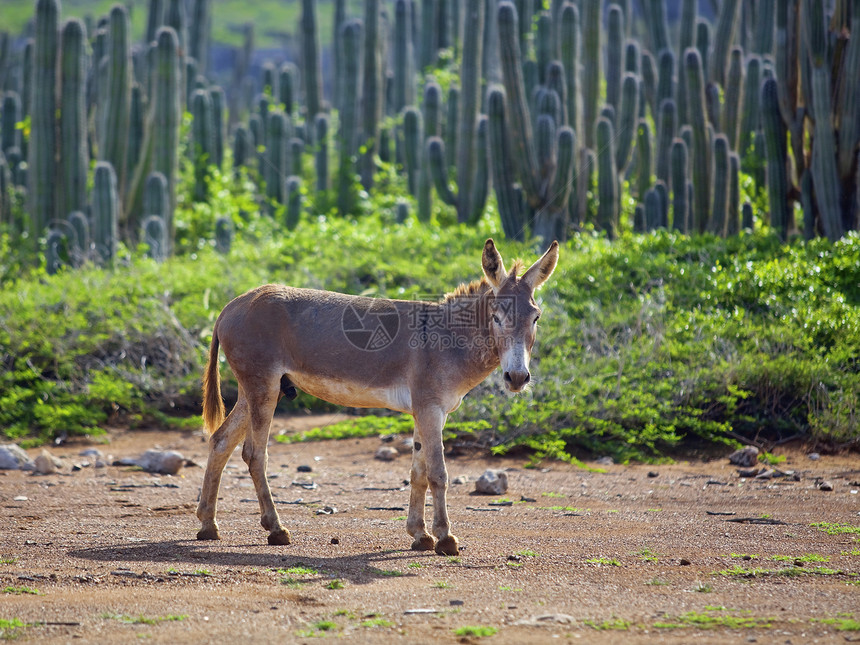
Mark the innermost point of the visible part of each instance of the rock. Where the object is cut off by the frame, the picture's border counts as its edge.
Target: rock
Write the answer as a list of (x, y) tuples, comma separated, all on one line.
[(492, 482), (326, 510), (746, 457), (766, 473), (47, 464), (91, 452), (163, 462), (304, 469), (748, 472), (547, 619), (460, 479), (684, 562), (386, 453), (335, 541), (404, 446), (653, 473), (14, 458), (825, 485), (605, 461), (814, 456)]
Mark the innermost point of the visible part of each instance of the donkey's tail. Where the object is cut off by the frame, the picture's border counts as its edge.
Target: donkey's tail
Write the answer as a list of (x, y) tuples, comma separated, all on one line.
[(213, 404)]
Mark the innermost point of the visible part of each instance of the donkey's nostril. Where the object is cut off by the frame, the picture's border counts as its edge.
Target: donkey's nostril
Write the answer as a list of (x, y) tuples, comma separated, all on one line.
[(507, 377), (528, 378)]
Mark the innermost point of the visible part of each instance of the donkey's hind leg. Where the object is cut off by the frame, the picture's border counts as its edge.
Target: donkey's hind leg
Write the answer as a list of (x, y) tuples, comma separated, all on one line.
[(262, 404), (221, 445)]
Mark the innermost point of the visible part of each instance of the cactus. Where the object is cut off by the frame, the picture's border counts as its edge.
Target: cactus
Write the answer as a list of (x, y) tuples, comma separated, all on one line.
[(591, 54), (351, 36), (544, 45), (56, 249), (687, 33), (570, 57), (627, 121), (764, 27), (733, 222), (287, 87), (153, 233), (633, 57), (404, 73), (278, 131), (614, 55), (372, 92), (721, 169), (727, 25), (747, 216), (510, 211), (665, 77), (452, 110), (431, 126), (154, 20), (295, 150), (777, 157), (74, 159), (607, 179), (174, 17), (680, 205), (401, 211), (112, 146), (269, 79), (243, 148), (223, 235), (639, 225), (848, 107), (41, 169), (10, 135), (136, 129), (155, 195), (105, 212), (653, 209), (666, 127), (218, 98), (655, 13), (311, 60), (412, 145), (293, 199), (644, 152), (202, 142), (5, 194), (701, 150), (80, 243), (200, 26), (649, 84), (321, 152)]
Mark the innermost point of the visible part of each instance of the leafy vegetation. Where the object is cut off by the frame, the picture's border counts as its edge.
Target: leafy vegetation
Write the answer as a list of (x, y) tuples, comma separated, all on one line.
[(11, 628), (710, 620), (475, 631)]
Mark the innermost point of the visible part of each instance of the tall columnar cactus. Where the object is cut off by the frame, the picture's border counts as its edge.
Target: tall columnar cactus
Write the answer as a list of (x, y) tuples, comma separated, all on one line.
[(351, 36), (649, 83), (404, 72), (432, 107), (200, 26), (644, 152), (570, 42), (293, 198), (658, 29), (42, 171), (591, 54), (156, 209), (202, 142), (219, 100), (10, 135), (223, 235), (777, 157), (751, 118), (614, 55), (727, 25), (117, 107), (105, 212), (666, 127), (295, 152), (608, 207), (174, 17), (136, 130), (504, 180), (321, 151), (413, 137), (734, 97), (653, 209), (338, 21), (703, 43), (626, 121), (243, 148), (74, 156), (80, 243), (153, 233), (687, 39), (5, 194), (278, 133), (311, 60), (733, 222), (848, 106), (701, 149), (372, 92), (451, 131), (269, 79), (154, 20), (665, 76), (156, 200), (288, 82), (721, 166), (680, 206), (764, 27)]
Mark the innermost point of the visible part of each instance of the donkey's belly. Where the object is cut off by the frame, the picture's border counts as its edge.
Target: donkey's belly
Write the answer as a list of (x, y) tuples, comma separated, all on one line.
[(354, 394)]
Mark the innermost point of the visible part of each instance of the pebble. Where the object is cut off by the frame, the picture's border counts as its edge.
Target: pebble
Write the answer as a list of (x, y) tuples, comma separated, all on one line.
[(386, 453), (304, 469), (825, 485), (47, 464), (335, 541), (163, 462), (14, 458), (404, 446), (653, 474), (684, 562), (560, 619), (604, 461), (91, 452), (326, 510), (492, 482), (460, 479), (765, 474), (747, 456), (814, 456)]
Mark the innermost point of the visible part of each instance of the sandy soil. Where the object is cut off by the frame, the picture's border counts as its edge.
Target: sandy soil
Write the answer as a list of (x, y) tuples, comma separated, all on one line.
[(112, 553)]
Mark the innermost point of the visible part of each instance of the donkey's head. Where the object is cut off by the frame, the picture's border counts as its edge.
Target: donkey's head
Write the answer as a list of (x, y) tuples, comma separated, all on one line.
[(513, 313)]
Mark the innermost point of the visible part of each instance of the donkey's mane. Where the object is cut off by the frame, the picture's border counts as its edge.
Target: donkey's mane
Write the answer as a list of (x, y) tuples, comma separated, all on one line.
[(478, 287)]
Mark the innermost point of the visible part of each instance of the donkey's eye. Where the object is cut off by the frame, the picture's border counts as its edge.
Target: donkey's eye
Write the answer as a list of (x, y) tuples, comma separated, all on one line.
[(497, 320)]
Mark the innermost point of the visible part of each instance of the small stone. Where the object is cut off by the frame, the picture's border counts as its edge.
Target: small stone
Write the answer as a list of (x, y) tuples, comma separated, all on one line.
[(304, 469), (163, 462), (514, 558), (748, 472), (91, 452), (604, 461), (814, 456), (456, 603), (404, 446), (335, 541), (460, 479), (653, 474), (326, 510), (560, 619), (825, 485), (747, 457), (14, 458), (47, 464), (386, 453), (766, 473), (492, 482), (20, 498), (684, 562)]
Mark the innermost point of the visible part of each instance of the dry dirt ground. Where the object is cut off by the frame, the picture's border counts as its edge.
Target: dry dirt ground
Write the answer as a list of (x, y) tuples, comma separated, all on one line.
[(577, 555)]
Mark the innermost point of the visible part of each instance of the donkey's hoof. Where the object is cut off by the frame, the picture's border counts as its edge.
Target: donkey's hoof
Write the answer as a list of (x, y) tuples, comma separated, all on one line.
[(448, 546), (279, 537), (208, 534), (424, 543)]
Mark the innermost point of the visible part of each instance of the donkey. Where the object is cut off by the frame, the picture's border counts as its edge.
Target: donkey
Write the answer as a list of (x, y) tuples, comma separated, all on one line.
[(420, 358)]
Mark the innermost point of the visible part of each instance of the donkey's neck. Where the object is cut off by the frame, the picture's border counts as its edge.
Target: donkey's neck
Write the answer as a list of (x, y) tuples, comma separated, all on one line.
[(466, 314)]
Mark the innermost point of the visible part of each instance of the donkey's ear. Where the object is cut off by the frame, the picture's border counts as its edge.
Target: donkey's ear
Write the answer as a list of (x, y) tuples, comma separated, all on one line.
[(494, 267), (541, 270)]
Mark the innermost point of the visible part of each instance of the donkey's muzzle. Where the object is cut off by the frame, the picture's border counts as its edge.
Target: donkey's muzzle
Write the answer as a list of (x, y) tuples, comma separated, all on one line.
[(516, 381)]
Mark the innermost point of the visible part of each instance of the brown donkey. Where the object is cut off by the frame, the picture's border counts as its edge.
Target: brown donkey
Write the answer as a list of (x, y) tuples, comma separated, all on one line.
[(419, 358)]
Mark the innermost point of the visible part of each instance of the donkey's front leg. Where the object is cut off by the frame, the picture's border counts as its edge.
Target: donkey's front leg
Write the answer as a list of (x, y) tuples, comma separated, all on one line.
[(418, 484), (428, 424)]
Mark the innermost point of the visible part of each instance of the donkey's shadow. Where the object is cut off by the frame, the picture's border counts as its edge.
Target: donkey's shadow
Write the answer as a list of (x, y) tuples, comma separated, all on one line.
[(358, 569)]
